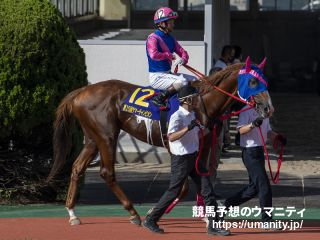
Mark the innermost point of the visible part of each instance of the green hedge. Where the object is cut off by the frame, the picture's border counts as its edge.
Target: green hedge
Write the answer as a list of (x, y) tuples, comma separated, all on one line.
[(40, 62)]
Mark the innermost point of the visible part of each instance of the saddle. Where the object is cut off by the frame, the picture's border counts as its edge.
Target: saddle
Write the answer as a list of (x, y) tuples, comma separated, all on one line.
[(139, 103)]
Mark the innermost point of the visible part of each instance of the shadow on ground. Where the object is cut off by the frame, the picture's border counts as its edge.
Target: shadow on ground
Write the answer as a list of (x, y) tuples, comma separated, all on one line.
[(140, 188)]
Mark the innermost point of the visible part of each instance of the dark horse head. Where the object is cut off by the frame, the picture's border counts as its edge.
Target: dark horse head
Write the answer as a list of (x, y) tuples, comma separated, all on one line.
[(253, 84)]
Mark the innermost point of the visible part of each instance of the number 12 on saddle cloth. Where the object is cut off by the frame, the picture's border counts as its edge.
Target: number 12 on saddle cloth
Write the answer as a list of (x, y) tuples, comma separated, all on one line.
[(138, 103)]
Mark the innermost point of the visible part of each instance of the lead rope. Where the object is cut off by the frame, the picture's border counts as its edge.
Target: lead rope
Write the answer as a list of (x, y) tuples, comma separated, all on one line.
[(275, 178), (213, 159)]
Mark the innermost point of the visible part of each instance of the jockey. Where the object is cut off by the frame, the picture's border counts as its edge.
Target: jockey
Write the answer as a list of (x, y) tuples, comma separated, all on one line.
[(160, 47)]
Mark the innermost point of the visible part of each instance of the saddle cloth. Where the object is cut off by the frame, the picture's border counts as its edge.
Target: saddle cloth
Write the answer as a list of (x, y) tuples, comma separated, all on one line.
[(139, 103)]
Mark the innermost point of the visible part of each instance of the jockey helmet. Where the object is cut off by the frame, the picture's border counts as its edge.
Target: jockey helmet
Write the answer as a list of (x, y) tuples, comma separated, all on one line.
[(164, 14)]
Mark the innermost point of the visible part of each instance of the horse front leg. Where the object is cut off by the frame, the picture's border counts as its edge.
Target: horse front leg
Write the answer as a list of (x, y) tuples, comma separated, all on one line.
[(107, 149), (78, 168)]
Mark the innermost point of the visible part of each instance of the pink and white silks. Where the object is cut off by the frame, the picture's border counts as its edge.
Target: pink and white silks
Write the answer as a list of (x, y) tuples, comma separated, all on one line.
[(164, 79)]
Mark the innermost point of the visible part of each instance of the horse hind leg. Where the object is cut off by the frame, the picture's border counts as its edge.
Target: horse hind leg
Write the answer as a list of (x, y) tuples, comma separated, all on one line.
[(87, 154), (107, 149)]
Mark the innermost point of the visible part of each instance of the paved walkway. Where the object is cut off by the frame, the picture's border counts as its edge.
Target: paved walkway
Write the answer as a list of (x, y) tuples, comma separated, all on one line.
[(145, 183)]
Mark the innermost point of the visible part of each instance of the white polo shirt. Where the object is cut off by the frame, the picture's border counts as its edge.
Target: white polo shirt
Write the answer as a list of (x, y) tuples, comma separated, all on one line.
[(220, 64), (252, 138), (189, 143)]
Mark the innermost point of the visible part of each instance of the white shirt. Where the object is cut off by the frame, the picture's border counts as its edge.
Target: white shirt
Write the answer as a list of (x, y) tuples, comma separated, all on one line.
[(220, 64), (189, 143), (252, 138)]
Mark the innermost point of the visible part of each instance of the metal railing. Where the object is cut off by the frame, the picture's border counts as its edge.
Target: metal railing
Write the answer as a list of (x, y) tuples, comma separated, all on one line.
[(77, 8)]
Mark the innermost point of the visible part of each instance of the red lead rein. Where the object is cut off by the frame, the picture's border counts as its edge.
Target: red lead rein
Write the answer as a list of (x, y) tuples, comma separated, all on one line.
[(213, 160), (275, 178)]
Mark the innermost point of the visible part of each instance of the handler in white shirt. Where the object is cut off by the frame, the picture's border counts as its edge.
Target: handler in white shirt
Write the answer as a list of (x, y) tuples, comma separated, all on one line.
[(184, 144), (189, 143), (253, 159)]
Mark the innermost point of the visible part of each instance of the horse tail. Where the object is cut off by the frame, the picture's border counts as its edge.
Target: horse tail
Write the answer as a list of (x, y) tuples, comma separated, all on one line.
[(62, 132)]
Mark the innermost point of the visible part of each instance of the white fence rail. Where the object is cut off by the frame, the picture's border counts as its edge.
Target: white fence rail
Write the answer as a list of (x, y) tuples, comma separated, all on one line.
[(76, 8)]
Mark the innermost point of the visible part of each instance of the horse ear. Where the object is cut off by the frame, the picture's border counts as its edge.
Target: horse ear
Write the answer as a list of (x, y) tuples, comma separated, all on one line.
[(248, 64), (262, 64)]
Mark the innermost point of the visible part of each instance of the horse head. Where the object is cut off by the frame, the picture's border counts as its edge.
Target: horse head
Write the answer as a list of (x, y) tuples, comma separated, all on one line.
[(252, 84)]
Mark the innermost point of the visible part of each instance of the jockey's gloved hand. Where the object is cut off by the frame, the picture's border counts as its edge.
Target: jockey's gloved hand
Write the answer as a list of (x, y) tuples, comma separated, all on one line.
[(257, 122), (282, 139), (194, 123), (179, 61)]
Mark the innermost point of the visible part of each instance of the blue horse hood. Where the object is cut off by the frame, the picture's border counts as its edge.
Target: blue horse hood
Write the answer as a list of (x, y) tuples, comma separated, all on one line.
[(250, 83)]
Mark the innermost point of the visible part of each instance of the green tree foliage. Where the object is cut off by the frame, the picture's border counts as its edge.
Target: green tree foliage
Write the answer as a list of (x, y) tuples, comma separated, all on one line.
[(40, 62)]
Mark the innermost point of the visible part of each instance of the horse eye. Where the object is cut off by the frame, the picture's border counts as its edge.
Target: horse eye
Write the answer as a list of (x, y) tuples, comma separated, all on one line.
[(253, 83)]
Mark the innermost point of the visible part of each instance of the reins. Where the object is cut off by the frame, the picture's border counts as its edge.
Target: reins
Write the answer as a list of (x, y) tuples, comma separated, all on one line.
[(203, 78)]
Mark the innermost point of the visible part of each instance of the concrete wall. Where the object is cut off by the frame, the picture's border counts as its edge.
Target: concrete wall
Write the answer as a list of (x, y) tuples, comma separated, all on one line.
[(126, 60)]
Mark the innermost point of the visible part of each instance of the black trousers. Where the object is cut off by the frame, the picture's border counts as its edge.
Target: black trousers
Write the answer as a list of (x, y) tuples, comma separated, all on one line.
[(182, 167), (259, 184)]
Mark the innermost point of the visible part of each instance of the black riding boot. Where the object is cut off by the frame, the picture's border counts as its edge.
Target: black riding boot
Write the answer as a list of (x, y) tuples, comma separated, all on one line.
[(160, 99)]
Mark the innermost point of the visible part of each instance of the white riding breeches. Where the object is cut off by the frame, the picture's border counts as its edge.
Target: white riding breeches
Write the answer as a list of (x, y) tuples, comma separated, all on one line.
[(163, 80)]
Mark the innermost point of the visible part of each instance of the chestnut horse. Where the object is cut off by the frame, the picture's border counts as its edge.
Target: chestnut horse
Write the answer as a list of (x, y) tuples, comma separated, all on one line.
[(97, 108)]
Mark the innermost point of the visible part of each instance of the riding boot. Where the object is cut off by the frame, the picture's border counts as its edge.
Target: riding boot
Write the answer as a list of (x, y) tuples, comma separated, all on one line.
[(159, 100)]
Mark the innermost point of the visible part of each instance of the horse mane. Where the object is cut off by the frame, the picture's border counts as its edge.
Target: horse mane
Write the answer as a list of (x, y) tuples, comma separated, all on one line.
[(216, 78)]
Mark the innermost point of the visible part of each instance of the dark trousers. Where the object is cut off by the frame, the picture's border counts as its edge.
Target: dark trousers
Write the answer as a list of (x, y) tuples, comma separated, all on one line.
[(253, 159), (182, 167)]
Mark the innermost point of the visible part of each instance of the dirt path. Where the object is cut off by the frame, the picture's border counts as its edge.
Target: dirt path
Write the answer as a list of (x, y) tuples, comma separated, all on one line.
[(119, 229)]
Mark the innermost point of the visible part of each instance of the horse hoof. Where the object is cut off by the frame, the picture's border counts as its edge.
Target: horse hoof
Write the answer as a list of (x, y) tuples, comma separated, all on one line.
[(74, 221), (135, 220)]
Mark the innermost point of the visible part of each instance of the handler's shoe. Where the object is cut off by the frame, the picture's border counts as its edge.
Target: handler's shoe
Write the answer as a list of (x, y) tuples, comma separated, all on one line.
[(218, 231), (152, 226)]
